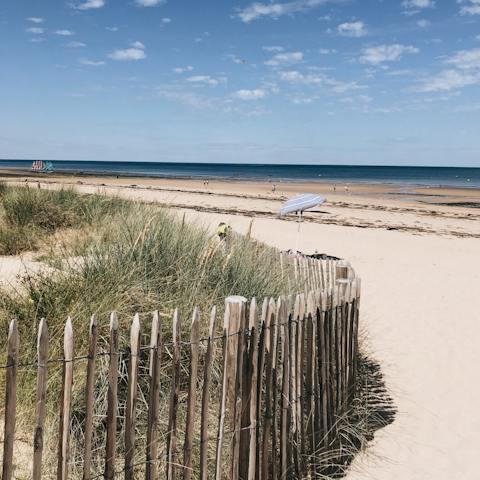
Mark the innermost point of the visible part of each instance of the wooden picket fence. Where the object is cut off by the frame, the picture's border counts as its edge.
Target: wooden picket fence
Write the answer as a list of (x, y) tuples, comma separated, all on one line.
[(287, 373)]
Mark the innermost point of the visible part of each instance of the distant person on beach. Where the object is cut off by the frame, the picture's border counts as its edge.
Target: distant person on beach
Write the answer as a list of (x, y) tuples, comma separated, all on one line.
[(334, 187), (347, 189), (274, 188)]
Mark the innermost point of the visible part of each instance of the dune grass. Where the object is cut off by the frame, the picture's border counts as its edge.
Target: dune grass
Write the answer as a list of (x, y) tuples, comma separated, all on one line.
[(125, 257), (30, 215)]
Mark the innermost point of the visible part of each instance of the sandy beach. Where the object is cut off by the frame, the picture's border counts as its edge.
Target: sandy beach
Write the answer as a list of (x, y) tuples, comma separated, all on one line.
[(419, 261)]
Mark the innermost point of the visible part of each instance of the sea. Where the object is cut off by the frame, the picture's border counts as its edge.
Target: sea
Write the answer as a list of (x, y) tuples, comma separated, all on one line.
[(338, 174)]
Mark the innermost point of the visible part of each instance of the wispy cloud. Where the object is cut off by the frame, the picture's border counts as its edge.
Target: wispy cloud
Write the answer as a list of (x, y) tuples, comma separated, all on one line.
[(64, 33), (135, 52), (273, 48), (470, 7), (423, 23), (464, 71), (149, 3), (76, 45), (352, 29), (275, 10), (112, 29), (89, 4), (189, 99), (36, 19), (413, 7), (35, 30), (466, 59), (91, 63), (179, 70), (256, 94), (385, 53), (203, 79), (447, 80), (286, 58), (319, 79)]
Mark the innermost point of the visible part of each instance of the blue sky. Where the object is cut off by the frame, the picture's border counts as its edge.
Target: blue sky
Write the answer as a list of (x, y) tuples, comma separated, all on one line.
[(301, 81)]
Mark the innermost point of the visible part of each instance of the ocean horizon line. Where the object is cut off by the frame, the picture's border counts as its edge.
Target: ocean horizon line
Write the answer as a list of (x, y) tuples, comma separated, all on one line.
[(460, 177), (253, 164)]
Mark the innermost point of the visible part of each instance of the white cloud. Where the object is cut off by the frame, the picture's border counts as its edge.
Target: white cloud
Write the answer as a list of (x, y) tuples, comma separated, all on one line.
[(179, 70), (273, 48), (36, 19), (275, 10), (64, 33), (285, 59), (136, 52), (385, 53), (203, 79), (336, 86), (466, 59), (423, 23), (89, 4), (166, 20), (76, 45), (112, 29), (187, 98), (412, 7), (413, 4), (35, 30), (256, 94), (92, 63), (463, 71), (149, 3), (472, 7), (448, 80), (352, 29)]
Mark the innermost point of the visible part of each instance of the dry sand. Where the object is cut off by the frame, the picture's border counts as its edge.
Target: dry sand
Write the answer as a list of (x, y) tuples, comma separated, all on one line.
[(420, 266)]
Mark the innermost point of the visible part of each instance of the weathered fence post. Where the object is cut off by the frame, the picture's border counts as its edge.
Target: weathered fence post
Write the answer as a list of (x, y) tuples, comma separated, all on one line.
[(153, 401), (267, 457), (207, 377), (66, 403), (42, 355), (10, 400), (283, 320), (89, 392), (175, 391), (131, 406), (192, 391), (112, 400), (253, 387), (238, 318)]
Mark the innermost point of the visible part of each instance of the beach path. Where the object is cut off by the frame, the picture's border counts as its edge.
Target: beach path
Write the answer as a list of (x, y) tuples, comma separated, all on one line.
[(419, 308)]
